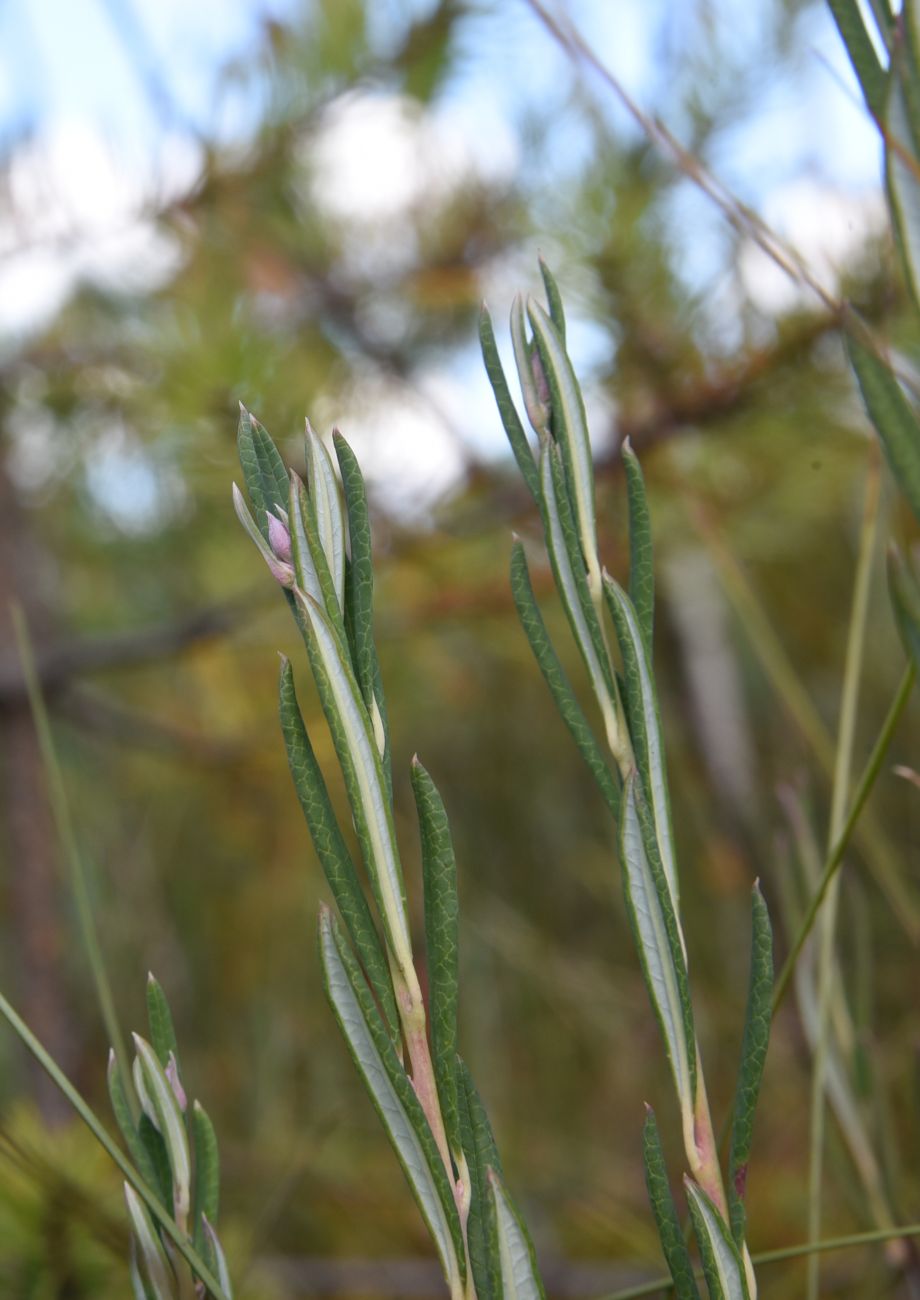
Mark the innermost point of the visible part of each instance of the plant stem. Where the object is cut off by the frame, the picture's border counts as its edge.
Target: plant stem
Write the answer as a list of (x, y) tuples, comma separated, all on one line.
[(53, 1070), (835, 857), (843, 762), (61, 811)]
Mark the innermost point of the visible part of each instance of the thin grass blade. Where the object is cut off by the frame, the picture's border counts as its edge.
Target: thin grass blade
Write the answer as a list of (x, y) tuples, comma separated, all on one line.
[(871, 75), (332, 851), (554, 674), (722, 1264), (753, 1059), (667, 1220), (893, 418), (442, 942), (393, 1096), (520, 1276), (510, 419)]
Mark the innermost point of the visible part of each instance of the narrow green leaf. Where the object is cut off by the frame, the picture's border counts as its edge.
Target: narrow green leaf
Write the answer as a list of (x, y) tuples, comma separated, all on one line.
[(658, 941), (641, 555), (902, 125), (510, 419), (667, 1220), (904, 590), (569, 709), (327, 508), (870, 74), (359, 758), (121, 1109), (206, 1200), (722, 1264), (159, 1017), (570, 428), (220, 1260), (263, 469), (893, 418), (569, 572), (331, 849), (553, 299), (153, 1266), (157, 1159), (753, 1058), (311, 562), (359, 588), (534, 388), (439, 872), (519, 1273), (481, 1156), (641, 701), (162, 1108), (393, 1096)]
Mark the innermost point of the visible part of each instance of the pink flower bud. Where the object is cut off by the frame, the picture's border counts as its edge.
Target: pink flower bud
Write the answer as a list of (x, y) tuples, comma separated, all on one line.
[(279, 539)]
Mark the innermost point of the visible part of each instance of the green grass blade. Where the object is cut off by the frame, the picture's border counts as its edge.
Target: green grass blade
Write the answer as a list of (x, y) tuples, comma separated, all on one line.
[(159, 1017), (870, 74), (722, 1264), (393, 1096), (645, 727), (570, 427), (362, 769), (658, 942), (439, 871), (667, 1220), (641, 554), (753, 1058), (893, 418), (520, 1275), (507, 411), (263, 469), (331, 849), (481, 1156), (904, 590), (206, 1200), (553, 299), (554, 674)]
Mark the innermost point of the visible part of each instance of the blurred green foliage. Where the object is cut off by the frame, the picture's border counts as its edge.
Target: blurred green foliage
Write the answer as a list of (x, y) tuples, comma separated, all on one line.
[(174, 763)]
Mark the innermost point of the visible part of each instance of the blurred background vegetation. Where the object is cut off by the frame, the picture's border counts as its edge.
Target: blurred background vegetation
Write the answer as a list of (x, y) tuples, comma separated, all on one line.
[(306, 218)]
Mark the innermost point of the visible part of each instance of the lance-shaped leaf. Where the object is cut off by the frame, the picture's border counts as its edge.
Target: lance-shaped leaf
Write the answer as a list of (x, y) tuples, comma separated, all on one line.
[(331, 849), (280, 569), (153, 1266), (159, 1018), (534, 387), (556, 679), (554, 299), (753, 1058), (359, 590), (439, 872), (121, 1109), (893, 418), (263, 470), (722, 1264), (359, 757), (309, 556), (570, 428), (654, 925), (163, 1110), (641, 556), (481, 1156), (673, 1245), (573, 590), (510, 419), (327, 508), (220, 1260), (520, 1276), (905, 600), (645, 728), (206, 1200), (870, 74), (393, 1097)]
